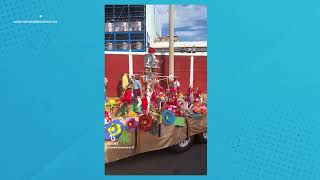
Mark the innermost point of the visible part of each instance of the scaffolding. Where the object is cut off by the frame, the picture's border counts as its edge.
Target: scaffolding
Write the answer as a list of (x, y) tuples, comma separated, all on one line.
[(125, 28)]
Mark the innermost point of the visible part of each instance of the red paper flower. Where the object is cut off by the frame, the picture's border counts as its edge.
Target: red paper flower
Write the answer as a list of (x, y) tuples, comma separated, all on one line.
[(145, 122)]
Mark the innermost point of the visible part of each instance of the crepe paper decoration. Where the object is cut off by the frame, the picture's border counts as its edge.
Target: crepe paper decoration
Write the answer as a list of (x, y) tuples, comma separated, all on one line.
[(132, 114), (196, 109), (197, 116), (131, 123), (131, 107), (172, 90), (188, 112), (168, 117), (144, 105), (123, 110), (124, 138), (113, 129), (155, 116), (127, 96), (112, 102), (125, 81), (136, 108), (178, 113), (154, 129), (180, 121), (145, 122), (107, 116), (204, 110)]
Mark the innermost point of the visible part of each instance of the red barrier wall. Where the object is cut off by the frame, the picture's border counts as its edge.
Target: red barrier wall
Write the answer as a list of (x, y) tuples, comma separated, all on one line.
[(200, 73), (115, 67), (118, 64)]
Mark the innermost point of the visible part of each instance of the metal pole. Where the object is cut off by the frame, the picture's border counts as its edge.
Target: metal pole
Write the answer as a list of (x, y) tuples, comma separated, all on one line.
[(171, 41)]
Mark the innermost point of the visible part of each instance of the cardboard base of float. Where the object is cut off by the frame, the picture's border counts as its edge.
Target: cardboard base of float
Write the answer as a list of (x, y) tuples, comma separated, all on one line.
[(141, 142)]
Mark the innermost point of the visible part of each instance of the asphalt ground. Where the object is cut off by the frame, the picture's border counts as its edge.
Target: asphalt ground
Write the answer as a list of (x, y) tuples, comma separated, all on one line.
[(163, 162)]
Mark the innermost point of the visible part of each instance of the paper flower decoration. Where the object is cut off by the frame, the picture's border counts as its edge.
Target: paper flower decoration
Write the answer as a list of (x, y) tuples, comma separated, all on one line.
[(180, 121), (145, 122), (131, 123), (204, 110), (124, 138), (168, 117), (113, 129), (112, 102), (107, 116), (197, 109), (132, 114)]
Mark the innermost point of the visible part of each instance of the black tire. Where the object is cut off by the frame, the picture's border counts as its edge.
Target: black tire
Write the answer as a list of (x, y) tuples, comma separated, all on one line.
[(202, 138), (183, 145)]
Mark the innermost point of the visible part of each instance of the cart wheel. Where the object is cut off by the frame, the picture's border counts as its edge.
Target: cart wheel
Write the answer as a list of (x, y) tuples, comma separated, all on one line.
[(183, 145), (202, 137)]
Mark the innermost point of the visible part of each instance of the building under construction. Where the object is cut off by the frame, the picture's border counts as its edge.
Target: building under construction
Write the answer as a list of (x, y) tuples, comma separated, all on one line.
[(130, 30)]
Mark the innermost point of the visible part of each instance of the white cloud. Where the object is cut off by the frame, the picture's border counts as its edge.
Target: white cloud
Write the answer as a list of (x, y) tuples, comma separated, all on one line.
[(189, 20), (192, 35)]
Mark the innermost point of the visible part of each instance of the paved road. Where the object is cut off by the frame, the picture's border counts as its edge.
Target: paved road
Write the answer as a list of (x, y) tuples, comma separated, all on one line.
[(163, 162)]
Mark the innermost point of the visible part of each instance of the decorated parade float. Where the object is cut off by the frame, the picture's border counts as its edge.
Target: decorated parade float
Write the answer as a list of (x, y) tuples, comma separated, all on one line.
[(153, 114)]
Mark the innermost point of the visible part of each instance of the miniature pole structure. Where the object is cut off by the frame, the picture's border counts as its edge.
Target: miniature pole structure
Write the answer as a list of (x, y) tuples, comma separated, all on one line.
[(171, 41)]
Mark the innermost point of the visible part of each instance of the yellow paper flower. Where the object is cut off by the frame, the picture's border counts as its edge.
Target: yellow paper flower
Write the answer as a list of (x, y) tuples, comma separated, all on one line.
[(132, 114), (112, 102)]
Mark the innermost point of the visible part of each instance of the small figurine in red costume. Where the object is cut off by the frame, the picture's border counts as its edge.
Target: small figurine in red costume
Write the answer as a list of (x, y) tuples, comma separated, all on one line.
[(154, 96), (197, 95), (144, 104), (126, 100), (127, 96)]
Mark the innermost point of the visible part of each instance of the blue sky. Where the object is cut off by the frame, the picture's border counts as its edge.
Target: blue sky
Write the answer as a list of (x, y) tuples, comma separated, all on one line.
[(190, 21)]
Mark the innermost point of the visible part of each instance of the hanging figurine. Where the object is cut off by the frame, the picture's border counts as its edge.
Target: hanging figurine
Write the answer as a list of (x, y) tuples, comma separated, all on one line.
[(144, 104), (176, 85), (126, 100), (150, 60)]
